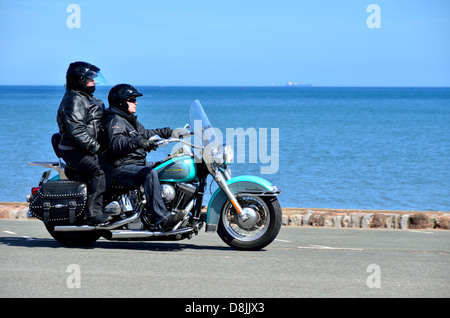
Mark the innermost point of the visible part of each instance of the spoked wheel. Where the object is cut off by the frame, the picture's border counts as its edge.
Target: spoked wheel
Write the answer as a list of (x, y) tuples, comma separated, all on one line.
[(74, 238), (258, 231)]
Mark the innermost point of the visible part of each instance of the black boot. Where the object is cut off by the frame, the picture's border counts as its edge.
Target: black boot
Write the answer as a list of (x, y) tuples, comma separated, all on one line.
[(173, 219), (98, 219)]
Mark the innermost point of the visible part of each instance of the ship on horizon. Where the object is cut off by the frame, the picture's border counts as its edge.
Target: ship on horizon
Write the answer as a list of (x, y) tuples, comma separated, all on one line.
[(292, 84)]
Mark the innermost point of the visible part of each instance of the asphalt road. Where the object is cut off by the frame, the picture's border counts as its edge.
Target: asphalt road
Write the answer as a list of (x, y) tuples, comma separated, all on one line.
[(302, 262)]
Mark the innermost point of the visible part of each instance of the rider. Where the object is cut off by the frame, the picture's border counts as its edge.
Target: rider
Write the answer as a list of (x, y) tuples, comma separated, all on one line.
[(128, 141), (79, 120)]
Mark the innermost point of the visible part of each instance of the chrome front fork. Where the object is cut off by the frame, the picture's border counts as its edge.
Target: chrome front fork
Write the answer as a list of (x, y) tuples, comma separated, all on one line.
[(221, 179)]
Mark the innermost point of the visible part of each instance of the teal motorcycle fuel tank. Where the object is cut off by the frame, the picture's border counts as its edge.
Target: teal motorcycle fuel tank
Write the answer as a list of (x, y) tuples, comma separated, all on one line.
[(179, 169)]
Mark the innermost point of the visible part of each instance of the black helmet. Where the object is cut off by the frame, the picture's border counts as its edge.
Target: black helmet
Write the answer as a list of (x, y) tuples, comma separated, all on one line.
[(119, 94), (78, 72)]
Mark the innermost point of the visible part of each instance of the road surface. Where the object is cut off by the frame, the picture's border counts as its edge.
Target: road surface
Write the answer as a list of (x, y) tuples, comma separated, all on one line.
[(302, 262)]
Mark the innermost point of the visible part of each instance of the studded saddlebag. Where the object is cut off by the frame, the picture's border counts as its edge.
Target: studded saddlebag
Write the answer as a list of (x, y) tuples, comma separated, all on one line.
[(59, 202)]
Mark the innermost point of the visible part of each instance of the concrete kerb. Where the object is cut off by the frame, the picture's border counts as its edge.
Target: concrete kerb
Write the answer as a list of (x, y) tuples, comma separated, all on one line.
[(337, 218), (381, 219), (14, 210)]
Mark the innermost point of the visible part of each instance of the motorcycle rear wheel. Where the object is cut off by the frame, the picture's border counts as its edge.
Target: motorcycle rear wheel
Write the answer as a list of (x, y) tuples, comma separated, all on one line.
[(263, 227), (74, 238)]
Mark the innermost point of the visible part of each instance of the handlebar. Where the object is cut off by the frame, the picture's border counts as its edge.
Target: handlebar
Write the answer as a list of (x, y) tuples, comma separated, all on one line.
[(165, 142)]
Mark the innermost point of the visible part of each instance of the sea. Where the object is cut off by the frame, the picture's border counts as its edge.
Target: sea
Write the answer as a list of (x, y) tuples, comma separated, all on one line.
[(324, 147)]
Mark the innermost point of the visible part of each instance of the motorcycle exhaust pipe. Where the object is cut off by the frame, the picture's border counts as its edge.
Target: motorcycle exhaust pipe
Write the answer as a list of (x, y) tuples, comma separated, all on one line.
[(120, 235), (74, 228), (83, 228), (132, 234)]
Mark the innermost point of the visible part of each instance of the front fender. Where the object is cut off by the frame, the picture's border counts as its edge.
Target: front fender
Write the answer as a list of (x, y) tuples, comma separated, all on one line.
[(238, 185)]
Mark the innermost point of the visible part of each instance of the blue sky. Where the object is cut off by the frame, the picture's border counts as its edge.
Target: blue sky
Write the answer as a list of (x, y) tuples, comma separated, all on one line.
[(229, 42)]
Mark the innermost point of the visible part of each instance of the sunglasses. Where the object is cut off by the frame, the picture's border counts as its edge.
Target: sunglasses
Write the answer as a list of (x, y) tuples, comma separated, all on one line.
[(131, 100)]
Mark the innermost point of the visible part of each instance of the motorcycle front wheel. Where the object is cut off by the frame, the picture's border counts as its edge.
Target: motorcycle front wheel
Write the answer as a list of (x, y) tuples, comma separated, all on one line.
[(74, 238), (258, 231)]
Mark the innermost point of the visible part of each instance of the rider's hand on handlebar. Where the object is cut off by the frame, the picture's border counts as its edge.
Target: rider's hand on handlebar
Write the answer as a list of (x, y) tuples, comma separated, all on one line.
[(147, 145), (180, 133)]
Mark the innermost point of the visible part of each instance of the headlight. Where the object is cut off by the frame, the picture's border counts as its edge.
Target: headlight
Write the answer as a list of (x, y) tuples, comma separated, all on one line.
[(220, 156), (227, 154)]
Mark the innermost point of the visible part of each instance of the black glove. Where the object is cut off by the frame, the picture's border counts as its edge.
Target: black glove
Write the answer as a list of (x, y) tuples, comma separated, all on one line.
[(147, 145), (180, 133)]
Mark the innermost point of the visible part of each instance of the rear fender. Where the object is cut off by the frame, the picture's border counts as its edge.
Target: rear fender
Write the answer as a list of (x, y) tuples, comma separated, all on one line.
[(239, 185)]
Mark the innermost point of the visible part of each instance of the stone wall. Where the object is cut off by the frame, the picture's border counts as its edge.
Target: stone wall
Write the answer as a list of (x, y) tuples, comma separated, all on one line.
[(366, 218), (13, 210), (337, 218)]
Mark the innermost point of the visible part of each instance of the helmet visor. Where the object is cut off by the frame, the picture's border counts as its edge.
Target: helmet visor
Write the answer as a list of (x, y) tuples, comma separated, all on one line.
[(97, 76)]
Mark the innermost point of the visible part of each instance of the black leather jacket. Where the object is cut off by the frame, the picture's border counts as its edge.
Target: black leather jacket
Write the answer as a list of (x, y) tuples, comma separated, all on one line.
[(79, 120), (122, 134)]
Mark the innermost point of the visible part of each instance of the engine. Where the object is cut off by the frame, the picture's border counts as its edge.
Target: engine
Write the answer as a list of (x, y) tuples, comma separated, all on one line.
[(168, 193), (178, 196)]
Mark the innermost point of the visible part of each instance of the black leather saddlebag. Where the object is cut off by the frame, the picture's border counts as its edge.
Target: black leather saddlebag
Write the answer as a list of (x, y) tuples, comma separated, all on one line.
[(59, 202)]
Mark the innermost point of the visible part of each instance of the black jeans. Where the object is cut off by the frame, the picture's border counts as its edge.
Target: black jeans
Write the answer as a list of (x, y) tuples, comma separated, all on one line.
[(133, 176), (88, 167)]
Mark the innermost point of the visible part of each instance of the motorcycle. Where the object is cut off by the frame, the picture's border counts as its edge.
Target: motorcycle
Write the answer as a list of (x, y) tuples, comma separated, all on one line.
[(244, 210)]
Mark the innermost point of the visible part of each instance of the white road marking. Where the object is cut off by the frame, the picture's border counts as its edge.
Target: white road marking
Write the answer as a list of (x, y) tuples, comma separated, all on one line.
[(9, 232), (422, 232), (321, 247), (284, 241)]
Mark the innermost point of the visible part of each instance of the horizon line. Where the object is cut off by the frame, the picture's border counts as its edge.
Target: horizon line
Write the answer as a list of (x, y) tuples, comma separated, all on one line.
[(244, 86)]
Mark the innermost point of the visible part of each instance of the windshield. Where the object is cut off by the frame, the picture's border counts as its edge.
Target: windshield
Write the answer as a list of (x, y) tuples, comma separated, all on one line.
[(196, 112), (204, 136)]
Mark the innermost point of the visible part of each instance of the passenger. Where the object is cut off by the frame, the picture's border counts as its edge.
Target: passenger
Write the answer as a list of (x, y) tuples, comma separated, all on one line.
[(128, 142), (79, 120)]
